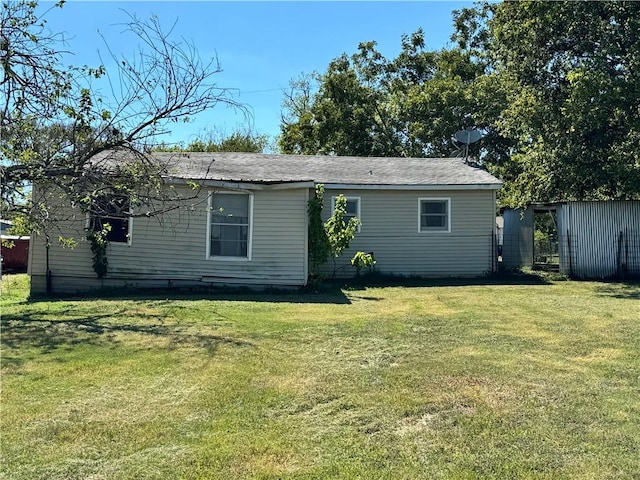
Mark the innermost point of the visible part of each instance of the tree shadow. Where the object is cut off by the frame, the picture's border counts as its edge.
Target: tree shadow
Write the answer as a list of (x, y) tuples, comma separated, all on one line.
[(326, 293), (34, 331), (375, 279), (630, 291)]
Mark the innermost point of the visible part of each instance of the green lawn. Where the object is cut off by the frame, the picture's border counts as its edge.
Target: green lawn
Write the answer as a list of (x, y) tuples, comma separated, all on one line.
[(482, 381)]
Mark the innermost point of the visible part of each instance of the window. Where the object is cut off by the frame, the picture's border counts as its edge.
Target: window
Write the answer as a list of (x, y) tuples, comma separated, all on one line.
[(435, 215), (230, 225), (114, 210), (353, 208)]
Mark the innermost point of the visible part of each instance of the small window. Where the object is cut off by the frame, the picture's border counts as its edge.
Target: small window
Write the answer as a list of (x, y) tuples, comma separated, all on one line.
[(114, 210), (230, 225), (353, 208), (435, 215)]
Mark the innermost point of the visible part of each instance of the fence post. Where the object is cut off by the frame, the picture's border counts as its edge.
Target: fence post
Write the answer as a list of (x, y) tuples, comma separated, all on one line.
[(626, 252), (570, 255), (619, 257), (493, 256), (48, 287)]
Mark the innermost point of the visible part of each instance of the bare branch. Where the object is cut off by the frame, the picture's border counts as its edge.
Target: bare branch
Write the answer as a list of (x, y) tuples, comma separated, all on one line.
[(60, 133)]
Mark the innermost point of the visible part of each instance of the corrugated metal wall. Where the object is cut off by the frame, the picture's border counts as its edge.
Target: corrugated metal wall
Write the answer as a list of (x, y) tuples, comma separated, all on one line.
[(517, 238), (599, 239)]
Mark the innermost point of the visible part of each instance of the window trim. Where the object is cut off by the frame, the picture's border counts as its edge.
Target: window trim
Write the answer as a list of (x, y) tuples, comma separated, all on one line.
[(349, 197), (224, 258), (129, 235), (434, 199)]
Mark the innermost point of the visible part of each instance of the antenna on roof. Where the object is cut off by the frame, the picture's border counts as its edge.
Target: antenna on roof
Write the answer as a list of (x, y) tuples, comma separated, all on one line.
[(462, 139)]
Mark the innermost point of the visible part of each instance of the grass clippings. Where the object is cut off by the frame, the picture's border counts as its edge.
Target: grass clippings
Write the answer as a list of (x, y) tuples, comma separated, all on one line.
[(403, 382)]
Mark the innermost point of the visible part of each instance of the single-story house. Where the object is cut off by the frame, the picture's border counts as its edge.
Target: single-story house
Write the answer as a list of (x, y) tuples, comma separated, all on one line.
[(248, 225), (589, 239)]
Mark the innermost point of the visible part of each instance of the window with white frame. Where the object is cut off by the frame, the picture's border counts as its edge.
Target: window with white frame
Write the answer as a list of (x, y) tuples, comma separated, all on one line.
[(230, 225), (434, 215), (353, 208)]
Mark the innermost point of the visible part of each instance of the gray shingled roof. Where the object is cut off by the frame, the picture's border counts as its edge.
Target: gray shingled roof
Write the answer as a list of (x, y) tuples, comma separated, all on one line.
[(265, 168)]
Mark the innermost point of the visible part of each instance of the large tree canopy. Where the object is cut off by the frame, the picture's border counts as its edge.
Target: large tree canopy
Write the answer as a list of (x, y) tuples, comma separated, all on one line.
[(554, 86), (570, 74), (53, 121), (241, 140), (368, 105)]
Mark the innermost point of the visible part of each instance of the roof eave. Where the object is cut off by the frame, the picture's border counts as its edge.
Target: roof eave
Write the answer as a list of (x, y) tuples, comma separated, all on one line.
[(292, 184), (471, 186), (243, 184)]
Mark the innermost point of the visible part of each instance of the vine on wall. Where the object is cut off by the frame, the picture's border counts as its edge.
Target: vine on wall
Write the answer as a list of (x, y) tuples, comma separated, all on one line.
[(98, 240), (331, 238), (319, 248)]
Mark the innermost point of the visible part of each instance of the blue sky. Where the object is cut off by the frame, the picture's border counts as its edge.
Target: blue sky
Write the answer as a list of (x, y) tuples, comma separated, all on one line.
[(260, 45)]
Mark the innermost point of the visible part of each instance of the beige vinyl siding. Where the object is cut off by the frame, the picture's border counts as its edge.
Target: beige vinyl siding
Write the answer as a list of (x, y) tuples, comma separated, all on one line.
[(171, 249), (390, 230)]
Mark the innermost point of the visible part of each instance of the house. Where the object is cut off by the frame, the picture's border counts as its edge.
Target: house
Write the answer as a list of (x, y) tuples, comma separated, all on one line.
[(582, 239), (248, 223)]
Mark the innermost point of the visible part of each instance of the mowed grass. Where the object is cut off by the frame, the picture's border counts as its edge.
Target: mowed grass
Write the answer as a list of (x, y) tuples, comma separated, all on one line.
[(480, 381)]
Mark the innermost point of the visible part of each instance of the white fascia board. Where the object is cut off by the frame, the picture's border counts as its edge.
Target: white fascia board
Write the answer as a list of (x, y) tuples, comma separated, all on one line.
[(347, 186)]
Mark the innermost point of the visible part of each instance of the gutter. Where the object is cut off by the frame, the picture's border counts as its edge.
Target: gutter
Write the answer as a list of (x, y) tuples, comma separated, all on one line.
[(245, 184), (348, 186)]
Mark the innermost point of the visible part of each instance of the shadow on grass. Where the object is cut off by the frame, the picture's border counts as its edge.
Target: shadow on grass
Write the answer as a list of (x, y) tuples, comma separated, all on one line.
[(327, 291), (506, 278), (35, 331), (630, 291)]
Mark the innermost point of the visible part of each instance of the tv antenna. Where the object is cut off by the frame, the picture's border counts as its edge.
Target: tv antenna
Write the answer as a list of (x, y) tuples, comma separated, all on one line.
[(463, 138)]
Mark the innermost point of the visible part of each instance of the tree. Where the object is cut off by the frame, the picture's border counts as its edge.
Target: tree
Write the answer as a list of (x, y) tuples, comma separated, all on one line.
[(297, 122), (340, 118), (340, 233), (59, 133), (213, 141), (569, 74), (331, 238), (553, 86), (368, 105), (318, 243)]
